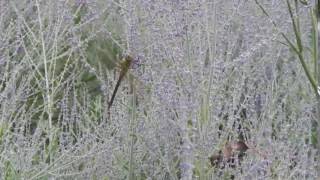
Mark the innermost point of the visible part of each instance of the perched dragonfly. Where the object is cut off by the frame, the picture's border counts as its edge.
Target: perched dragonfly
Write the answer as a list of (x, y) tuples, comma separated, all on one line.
[(106, 53), (124, 67)]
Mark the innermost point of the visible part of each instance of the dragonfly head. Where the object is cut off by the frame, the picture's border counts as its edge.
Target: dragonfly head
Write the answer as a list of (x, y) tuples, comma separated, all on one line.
[(134, 62)]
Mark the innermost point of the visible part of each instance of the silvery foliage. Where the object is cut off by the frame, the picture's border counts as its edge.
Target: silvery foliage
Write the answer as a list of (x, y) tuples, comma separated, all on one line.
[(201, 63)]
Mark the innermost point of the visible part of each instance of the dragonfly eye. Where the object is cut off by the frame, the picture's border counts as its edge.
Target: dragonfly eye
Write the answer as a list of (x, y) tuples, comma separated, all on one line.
[(133, 61)]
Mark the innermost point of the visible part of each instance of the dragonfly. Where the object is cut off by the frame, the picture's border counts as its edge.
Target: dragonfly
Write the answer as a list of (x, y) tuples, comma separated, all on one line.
[(106, 54), (124, 67)]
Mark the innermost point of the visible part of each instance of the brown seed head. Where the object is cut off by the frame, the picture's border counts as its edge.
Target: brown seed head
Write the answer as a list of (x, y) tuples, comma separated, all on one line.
[(239, 146), (229, 152)]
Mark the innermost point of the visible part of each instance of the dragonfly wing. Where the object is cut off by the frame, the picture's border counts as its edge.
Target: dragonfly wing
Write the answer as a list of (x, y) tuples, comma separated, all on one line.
[(103, 52)]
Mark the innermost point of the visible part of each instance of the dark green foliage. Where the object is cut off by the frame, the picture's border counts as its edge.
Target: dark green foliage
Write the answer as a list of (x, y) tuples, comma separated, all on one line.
[(103, 52)]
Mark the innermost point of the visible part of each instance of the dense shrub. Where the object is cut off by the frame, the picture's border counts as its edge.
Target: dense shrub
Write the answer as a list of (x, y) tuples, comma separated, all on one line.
[(203, 74)]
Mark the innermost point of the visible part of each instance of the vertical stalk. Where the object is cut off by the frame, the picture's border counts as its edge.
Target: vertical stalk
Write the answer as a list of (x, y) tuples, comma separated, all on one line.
[(316, 29), (48, 98), (132, 135), (316, 24), (316, 40)]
